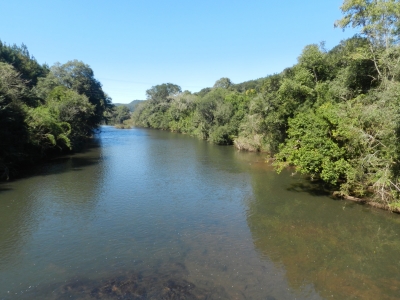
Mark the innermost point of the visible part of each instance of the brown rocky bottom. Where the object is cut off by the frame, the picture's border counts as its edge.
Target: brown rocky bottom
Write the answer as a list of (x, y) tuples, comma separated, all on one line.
[(136, 287)]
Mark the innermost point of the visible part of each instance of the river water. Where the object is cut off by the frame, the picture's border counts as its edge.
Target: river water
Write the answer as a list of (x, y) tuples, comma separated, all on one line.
[(146, 214)]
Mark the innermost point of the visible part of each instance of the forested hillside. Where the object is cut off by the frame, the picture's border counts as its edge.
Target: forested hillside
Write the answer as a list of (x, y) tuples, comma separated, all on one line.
[(44, 110), (333, 116), (131, 106)]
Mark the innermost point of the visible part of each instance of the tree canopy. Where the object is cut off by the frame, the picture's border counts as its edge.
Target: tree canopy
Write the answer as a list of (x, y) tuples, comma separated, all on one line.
[(44, 111), (378, 19), (162, 92)]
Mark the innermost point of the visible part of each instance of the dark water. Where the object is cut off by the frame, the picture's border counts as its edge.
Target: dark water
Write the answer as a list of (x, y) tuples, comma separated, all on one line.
[(148, 214)]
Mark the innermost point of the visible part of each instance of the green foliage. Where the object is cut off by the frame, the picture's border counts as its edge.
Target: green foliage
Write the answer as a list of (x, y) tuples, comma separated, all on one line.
[(353, 71), (371, 127), (354, 144), (162, 92), (67, 106), (13, 127), (221, 135), (378, 19), (12, 86), (223, 83), (312, 148), (314, 61), (203, 92), (25, 64), (46, 132), (42, 111), (79, 77), (118, 114), (254, 85), (131, 106)]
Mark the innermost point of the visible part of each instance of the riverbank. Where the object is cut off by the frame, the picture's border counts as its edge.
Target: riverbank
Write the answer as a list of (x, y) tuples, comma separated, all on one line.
[(366, 201)]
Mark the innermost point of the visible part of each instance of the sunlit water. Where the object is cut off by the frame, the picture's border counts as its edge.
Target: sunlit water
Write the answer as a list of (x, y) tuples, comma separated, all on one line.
[(146, 214)]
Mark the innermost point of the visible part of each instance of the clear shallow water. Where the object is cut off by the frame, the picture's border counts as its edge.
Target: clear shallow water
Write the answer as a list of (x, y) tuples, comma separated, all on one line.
[(147, 214)]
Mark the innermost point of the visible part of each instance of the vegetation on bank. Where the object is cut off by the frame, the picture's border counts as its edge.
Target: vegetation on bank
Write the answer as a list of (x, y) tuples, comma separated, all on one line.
[(120, 113), (44, 110), (333, 116), (117, 115), (131, 106)]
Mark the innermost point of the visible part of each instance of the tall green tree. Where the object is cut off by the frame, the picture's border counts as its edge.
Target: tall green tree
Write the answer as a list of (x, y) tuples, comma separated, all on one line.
[(378, 19), (163, 92), (379, 22), (79, 77), (19, 57), (67, 106), (44, 112), (13, 128), (223, 82)]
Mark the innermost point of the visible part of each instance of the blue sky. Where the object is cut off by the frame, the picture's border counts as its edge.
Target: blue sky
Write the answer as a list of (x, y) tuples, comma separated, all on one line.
[(134, 44)]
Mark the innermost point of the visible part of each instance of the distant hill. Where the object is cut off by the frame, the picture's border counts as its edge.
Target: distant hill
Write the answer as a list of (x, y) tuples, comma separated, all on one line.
[(131, 105), (255, 84)]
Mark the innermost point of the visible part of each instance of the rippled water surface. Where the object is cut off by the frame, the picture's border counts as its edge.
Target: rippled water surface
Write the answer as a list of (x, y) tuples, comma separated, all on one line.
[(146, 214)]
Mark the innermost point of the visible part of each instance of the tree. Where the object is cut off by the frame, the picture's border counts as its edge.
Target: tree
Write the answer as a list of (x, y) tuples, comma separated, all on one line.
[(203, 92), (46, 131), (25, 64), (119, 114), (79, 77), (378, 19), (68, 106), (223, 82), (312, 148), (42, 111), (13, 128), (379, 22), (162, 92), (352, 74), (313, 59)]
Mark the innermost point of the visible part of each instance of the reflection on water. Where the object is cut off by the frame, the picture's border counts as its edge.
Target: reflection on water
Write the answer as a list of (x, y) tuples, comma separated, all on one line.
[(147, 214)]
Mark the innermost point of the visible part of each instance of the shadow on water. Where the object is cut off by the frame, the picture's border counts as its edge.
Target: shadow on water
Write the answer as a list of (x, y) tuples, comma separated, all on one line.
[(88, 156), (314, 188), (66, 164), (4, 187)]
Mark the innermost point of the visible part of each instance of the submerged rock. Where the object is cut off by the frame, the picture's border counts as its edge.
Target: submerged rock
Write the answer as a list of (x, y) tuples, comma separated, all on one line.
[(135, 287)]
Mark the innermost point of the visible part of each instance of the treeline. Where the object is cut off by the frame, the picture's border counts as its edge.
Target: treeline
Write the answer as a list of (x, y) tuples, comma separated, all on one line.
[(333, 116), (119, 113), (44, 110)]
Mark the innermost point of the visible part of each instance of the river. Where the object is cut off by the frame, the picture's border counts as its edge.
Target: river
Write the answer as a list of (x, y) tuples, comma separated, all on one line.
[(146, 214)]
